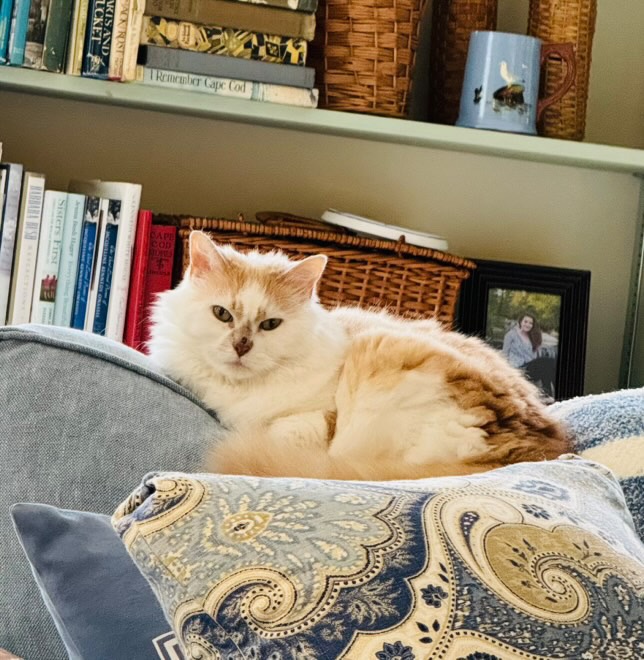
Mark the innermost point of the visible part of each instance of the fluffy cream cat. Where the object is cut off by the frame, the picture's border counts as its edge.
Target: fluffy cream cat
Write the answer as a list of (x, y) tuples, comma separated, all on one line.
[(341, 394)]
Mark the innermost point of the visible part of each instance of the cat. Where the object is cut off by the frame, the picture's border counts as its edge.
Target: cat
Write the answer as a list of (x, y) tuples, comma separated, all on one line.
[(337, 394)]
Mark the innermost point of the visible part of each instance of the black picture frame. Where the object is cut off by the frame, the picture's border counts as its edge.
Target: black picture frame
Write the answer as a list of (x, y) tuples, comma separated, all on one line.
[(493, 278)]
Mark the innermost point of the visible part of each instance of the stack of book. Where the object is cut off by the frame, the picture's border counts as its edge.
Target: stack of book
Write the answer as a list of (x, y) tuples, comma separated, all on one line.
[(231, 48)]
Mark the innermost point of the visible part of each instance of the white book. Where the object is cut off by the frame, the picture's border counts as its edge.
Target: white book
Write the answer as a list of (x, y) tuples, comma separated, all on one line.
[(129, 195), (3, 184), (49, 248), (132, 39), (98, 253), (117, 44), (11, 210), (69, 259), (26, 249), (241, 89)]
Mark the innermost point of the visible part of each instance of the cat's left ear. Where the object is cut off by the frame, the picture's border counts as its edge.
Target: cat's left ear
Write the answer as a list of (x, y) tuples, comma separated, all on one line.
[(204, 255), (304, 275)]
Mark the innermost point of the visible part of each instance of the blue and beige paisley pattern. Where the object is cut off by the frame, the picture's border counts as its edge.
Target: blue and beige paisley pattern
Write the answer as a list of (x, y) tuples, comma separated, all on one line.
[(530, 561)]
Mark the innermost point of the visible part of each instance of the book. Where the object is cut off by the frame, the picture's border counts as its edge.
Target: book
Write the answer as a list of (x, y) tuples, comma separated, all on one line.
[(117, 46), (239, 15), (26, 248), (297, 5), (3, 186), (56, 35), (49, 248), (68, 267), (10, 212), (98, 39), (132, 39), (74, 55), (89, 233), (159, 276), (129, 194), (35, 37), (132, 334), (172, 59), (242, 89), (217, 40), (92, 292), (106, 266), (6, 9), (368, 227), (18, 32)]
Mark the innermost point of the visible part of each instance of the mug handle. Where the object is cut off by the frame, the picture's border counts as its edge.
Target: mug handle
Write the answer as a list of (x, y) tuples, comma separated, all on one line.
[(567, 53)]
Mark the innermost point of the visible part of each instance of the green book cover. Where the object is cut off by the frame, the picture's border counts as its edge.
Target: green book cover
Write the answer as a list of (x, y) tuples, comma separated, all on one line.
[(57, 35)]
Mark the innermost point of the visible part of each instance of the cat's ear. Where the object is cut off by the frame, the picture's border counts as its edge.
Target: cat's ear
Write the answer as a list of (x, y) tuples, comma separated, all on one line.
[(304, 275), (205, 257)]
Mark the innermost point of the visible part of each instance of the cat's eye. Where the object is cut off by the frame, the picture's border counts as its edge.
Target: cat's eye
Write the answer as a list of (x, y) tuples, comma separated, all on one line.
[(222, 314), (270, 324)]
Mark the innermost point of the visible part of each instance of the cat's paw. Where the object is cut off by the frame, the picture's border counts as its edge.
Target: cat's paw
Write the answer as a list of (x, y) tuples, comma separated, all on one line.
[(300, 430)]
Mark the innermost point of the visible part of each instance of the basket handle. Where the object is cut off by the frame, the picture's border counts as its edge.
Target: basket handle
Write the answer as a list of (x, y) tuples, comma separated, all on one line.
[(282, 219)]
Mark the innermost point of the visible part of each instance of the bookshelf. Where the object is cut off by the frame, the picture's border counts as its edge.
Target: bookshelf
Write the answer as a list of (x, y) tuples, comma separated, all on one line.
[(326, 122), (495, 196)]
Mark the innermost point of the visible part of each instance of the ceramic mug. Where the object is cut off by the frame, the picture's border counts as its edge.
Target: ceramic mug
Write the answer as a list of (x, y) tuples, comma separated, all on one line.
[(501, 85)]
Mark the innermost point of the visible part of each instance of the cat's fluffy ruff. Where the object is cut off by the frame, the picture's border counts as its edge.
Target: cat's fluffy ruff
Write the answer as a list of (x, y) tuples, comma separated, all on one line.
[(344, 394)]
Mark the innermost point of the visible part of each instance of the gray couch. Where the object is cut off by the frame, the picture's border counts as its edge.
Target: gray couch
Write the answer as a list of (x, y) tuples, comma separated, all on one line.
[(82, 419)]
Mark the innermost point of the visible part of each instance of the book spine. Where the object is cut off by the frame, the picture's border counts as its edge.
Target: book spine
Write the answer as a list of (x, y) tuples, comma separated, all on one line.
[(6, 9), (85, 261), (254, 91), (49, 249), (11, 209), (98, 38), (96, 266), (136, 293), (56, 35), (306, 6), (74, 58), (106, 266), (223, 41), (24, 267), (172, 59), (69, 259), (18, 32), (130, 203), (38, 12), (162, 245), (132, 38), (117, 47), (239, 15)]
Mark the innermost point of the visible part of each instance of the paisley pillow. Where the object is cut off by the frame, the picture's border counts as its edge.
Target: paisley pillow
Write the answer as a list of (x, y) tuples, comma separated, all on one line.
[(532, 560)]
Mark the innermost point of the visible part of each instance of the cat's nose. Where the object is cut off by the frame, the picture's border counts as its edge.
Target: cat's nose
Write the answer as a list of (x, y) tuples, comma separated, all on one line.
[(243, 346)]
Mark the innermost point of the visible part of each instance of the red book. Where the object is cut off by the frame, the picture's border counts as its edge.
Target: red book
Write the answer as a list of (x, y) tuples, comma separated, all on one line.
[(159, 273), (136, 295)]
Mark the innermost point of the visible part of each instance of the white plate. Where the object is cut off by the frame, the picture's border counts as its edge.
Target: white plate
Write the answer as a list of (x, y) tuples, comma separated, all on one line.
[(369, 227)]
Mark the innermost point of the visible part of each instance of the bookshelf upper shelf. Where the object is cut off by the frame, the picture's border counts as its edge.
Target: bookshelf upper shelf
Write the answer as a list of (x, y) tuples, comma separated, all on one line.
[(377, 129)]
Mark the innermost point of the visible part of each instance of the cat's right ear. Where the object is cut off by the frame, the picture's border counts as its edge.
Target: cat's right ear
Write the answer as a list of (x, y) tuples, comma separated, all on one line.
[(204, 255)]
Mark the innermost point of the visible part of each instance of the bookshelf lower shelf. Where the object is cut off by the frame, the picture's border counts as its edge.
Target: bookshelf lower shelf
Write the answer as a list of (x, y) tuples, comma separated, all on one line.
[(367, 127)]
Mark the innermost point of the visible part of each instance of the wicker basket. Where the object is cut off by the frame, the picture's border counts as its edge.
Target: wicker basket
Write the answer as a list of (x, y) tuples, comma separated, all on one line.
[(570, 21), (364, 53), (412, 281), (453, 21)]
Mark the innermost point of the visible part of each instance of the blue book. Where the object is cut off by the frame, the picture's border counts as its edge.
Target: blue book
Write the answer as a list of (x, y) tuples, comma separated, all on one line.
[(107, 266), (86, 261), (18, 32), (6, 9), (98, 38)]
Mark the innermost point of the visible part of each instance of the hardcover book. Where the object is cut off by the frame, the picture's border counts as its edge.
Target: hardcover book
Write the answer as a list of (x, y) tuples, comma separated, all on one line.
[(6, 7), (18, 32), (132, 335), (56, 35), (10, 211), (243, 89), (49, 249), (239, 15), (172, 59), (106, 266), (74, 55), (92, 292), (223, 41), (26, 248), (98, 39), (35, 37), (117, 47), (68, 267)]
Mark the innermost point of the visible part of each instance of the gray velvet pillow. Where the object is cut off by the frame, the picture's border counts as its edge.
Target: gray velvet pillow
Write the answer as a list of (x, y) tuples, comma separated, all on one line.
[(102, 606), (81, 419)]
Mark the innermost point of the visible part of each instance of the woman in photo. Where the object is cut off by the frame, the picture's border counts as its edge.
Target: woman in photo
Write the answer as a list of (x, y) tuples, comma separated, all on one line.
[(523, 348)]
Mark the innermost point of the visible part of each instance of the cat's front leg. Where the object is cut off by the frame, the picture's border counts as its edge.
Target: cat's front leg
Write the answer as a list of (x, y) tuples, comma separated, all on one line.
[(302, 430)]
